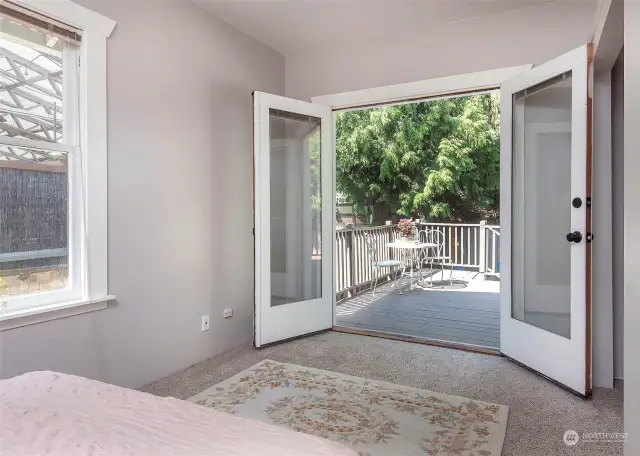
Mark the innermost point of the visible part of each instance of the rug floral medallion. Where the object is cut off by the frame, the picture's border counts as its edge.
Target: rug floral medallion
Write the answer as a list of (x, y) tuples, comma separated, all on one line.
[(374, 418)]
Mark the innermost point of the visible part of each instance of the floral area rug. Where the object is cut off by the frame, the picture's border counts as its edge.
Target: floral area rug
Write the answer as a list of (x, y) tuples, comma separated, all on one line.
[(374, 418)]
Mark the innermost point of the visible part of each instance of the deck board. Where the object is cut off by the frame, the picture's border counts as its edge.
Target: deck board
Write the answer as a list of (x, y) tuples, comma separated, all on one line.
[(463, 316)]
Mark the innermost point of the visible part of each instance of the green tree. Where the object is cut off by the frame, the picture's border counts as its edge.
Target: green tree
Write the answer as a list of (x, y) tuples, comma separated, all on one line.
[(436, 159)]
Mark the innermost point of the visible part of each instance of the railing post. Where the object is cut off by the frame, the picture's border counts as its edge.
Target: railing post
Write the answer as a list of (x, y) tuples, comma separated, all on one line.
[(483, 247), (352, 264)]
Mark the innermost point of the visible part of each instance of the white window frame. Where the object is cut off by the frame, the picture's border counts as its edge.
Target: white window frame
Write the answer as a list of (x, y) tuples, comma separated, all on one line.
[(87, 193)]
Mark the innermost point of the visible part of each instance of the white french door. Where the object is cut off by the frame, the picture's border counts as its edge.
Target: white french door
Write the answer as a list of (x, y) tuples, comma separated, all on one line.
[(293, 218), (545, 219)]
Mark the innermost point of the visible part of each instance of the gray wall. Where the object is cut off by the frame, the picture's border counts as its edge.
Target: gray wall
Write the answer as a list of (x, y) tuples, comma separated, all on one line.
[(180, 199), (631, 224), (617, 177)]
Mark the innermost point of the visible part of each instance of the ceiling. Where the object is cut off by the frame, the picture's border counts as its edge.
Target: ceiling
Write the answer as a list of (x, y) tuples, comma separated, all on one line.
[(297, 26)]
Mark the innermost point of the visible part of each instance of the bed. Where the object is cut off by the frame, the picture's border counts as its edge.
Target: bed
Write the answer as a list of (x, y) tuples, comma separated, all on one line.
[(46, 413)]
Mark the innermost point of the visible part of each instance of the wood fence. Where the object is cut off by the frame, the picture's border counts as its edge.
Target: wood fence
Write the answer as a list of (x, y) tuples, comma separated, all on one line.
[(33, 216)]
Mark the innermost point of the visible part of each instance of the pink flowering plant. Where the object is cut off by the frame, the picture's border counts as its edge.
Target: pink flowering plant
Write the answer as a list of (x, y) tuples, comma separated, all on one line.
[(405, 227)]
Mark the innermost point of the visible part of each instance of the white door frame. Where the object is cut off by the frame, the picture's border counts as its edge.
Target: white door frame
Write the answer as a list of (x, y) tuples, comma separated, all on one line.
[(445, 87)]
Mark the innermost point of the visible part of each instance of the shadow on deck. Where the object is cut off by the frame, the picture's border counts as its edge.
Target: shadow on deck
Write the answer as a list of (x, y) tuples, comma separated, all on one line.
[(464, 312)]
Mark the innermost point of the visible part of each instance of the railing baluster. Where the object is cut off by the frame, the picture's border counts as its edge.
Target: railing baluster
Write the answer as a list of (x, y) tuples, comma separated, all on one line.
[(455, 242), (363, 263), (340, 266), (346, 253), (358, 257), (450, 241), (358, 265), (344, 260), (461, 229), (354, 256), (464, 246), (494, 263), (343, 248), (469, 246), (475, 245), (341, 260), (458, 244)]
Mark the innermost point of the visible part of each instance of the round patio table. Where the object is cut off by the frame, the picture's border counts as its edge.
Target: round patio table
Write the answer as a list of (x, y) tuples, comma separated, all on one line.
[(413, 253)]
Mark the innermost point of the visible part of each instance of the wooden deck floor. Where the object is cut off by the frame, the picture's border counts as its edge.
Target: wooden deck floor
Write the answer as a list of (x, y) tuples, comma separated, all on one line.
[(467, 312)]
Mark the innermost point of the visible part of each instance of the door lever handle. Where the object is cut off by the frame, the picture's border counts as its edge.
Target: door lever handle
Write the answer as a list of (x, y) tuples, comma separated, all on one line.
[(576, 237)]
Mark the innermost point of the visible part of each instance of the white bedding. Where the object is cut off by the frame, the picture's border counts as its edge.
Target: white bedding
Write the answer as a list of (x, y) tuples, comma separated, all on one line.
[(45, 413)]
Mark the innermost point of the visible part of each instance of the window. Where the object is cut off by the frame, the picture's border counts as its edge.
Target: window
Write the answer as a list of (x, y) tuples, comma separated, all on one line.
[(52, 237)]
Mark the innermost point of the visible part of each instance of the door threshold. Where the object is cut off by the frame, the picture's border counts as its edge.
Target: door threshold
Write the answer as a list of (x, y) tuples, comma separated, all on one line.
[(420, 340)]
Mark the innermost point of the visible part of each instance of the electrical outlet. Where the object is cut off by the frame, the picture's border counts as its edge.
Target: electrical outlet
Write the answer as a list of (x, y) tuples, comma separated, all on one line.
[(205, 323), (228, 313)]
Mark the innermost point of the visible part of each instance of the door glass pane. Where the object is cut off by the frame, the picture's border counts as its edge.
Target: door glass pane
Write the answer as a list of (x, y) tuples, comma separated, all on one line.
[(296, 208), (541, 206)]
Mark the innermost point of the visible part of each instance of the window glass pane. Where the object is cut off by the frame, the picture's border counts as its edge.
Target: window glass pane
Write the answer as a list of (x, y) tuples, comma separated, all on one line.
[(31, 83), (33, 221), (296, 208), (541, 206)]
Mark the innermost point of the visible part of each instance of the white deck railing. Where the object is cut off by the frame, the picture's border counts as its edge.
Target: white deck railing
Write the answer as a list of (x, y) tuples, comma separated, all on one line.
[(470, 246)]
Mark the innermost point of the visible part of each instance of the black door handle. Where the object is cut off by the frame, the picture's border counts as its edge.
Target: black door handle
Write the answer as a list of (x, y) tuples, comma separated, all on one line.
[(576, 237)]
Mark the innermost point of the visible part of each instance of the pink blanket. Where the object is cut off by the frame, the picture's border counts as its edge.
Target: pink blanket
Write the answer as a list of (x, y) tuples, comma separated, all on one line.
[(45, 413)]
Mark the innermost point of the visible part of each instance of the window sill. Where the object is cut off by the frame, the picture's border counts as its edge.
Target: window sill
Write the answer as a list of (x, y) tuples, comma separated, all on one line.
[(11, 319)]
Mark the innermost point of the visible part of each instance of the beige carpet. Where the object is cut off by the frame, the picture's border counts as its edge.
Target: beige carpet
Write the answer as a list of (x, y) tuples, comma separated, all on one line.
[(374, 418), (539, 411)]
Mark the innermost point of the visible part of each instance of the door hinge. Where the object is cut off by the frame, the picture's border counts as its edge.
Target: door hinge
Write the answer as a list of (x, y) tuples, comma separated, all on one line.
[(590, 237), (588, 200)]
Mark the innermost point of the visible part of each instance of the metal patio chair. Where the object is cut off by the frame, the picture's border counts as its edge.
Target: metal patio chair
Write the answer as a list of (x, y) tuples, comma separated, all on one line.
[(372, 251), (436, 254)]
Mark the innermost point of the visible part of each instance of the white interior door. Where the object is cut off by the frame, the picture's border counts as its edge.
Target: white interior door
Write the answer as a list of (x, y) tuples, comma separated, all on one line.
[(293, 220), (545, 321)]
